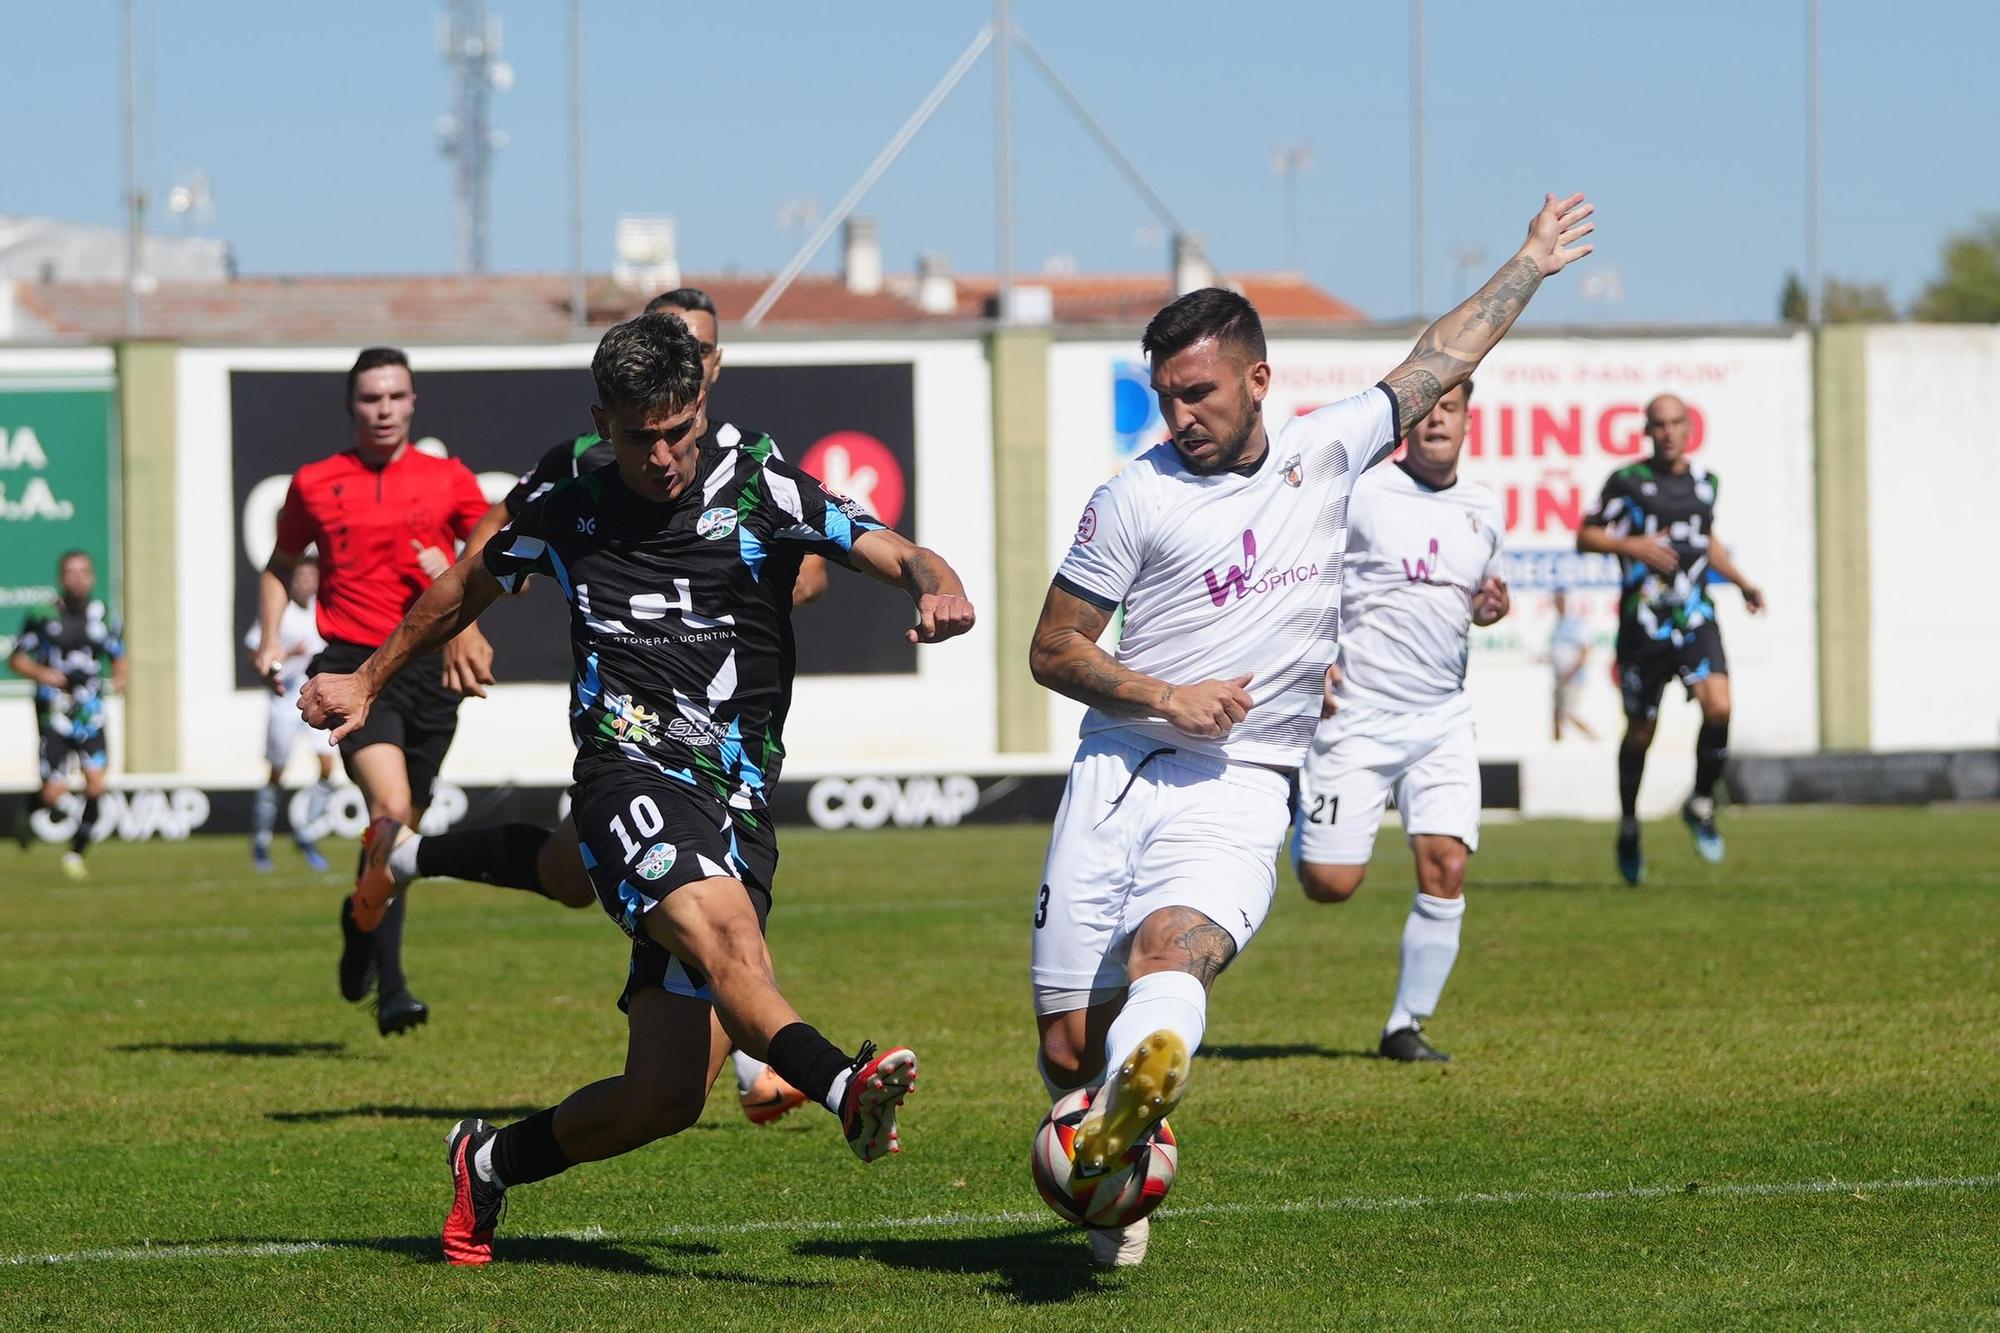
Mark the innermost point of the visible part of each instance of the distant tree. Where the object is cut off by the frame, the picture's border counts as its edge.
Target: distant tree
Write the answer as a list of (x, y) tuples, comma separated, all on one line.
[(1842, 302), (1968, 291)]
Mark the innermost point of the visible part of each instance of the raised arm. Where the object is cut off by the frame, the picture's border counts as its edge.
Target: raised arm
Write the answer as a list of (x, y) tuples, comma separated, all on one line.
[(1064, 657), (943, 611), (1450, 349)]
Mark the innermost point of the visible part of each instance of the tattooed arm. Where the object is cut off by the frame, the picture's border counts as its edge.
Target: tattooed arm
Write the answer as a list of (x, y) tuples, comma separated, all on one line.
[(943, 612), (1064, 657), (1449, 349)]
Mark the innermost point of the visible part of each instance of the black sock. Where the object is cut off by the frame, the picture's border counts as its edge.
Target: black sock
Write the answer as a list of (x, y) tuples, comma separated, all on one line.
[(1711, 748), (85, 822), (806, 1060), (388, 940), (503, 855), (526, 1151), (1631, 767)]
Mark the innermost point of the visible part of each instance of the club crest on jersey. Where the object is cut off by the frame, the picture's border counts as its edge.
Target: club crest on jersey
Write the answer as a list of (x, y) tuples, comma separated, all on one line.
[(1704, 491), (1295, 472), (657, 861), (1473, 519), (716, 523), (1086, 527), (627, 720)]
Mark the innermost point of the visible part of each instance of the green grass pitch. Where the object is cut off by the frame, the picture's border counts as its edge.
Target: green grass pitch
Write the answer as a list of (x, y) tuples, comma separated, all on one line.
[(1766, 1094)]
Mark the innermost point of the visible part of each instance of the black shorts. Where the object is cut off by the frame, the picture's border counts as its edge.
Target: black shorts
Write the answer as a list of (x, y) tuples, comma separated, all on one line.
[(415, 713), (643, 835), (1645, 665), (56, 749)]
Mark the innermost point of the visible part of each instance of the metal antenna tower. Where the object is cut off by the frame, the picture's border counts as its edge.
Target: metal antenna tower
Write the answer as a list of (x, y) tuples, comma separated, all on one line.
[(469, 40)]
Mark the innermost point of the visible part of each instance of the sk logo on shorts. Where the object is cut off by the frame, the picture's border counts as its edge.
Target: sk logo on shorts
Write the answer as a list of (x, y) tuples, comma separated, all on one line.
[(657, 861), (717, 523)]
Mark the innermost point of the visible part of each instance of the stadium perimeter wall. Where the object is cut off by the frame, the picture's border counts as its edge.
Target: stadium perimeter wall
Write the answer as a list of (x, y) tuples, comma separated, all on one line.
[(1003, 438)]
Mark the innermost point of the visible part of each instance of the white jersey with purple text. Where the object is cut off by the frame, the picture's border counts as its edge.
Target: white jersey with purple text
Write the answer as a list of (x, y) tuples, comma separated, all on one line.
[(1233, 574)]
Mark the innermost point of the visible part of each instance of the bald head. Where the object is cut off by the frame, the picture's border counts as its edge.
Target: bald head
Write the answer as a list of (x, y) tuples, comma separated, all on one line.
[(1668, 427)]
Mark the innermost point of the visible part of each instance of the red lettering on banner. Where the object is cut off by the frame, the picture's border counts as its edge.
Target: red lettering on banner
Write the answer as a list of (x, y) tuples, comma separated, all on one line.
[(1561, 502), (1566, 435), (1628, 418)]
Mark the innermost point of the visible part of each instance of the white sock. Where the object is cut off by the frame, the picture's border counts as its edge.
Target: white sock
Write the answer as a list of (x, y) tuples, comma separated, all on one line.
[(748, 1070), (1055, 1090), (482, 1161), (1171, 1000), (1430, 947), (837, 1091), (403, 861)]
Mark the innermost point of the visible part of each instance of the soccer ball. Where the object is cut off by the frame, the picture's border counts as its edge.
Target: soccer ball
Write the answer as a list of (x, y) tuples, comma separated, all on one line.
[(1120, 1196)]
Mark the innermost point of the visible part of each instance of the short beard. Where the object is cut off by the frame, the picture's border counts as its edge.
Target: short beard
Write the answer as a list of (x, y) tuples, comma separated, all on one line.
[(1231, 458)]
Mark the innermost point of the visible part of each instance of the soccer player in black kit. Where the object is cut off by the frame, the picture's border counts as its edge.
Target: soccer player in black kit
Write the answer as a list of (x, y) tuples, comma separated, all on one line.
[(1658, 518), (65, 648), (677, 563)]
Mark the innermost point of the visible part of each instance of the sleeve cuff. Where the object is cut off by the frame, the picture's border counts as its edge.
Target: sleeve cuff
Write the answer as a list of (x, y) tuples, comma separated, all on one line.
[(1083, 594)]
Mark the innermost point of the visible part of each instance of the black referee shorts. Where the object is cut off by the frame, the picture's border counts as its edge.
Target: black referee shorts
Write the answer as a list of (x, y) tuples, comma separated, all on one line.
[(644, 835), (415, 713)]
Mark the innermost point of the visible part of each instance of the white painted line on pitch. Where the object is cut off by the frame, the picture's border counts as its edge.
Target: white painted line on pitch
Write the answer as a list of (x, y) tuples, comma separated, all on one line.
[(943, 1221)]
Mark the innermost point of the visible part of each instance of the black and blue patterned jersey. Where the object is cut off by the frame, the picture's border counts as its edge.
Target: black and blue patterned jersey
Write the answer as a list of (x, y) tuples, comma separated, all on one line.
[(82, 643), (1642, 499), (681, 612)]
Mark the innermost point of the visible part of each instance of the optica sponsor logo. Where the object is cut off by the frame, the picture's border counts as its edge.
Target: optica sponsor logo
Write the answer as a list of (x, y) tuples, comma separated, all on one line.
[(870, 803)]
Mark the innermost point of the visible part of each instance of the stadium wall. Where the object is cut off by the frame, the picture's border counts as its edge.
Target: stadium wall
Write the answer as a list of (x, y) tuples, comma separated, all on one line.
[(1551, 419)]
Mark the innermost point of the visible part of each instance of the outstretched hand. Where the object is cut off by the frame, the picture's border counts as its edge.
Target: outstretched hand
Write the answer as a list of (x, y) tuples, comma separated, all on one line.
[(940, 616), (1554, 233), (335, 703)]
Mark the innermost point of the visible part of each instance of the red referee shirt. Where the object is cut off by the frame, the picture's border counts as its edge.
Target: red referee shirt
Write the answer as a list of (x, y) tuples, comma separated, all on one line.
[(364, 521)]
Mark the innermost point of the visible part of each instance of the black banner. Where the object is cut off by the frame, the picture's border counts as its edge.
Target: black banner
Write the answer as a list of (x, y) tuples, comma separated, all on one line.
[(854, 426)]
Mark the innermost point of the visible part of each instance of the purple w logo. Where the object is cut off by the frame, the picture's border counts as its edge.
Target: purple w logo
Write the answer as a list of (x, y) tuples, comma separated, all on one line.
[(1237, 578), (1425, 567)]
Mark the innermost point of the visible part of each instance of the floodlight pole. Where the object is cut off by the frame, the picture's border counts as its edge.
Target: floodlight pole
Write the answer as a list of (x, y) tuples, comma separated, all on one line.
[(133, 206), (579, 316), (1813, 311), (1417, 156), (1003, 159), (883, 160)]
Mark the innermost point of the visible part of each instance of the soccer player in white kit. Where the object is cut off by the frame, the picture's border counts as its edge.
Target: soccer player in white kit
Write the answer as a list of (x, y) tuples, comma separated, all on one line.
[(298, 636), (1423, 567), (1224, 546)]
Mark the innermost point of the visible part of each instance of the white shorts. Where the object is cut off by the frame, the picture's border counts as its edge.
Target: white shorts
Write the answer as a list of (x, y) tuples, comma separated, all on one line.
[(282, 728), (1143, 827), (1361, 755)]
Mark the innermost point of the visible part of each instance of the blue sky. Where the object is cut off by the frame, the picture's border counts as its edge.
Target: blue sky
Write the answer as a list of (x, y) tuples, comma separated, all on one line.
[(316, 125)]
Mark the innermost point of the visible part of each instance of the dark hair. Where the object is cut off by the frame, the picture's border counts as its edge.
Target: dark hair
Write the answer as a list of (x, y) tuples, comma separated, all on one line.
[(78, 554), (1466, 384), (1212, 312), (374, 358), (648, 361), (684, 298)]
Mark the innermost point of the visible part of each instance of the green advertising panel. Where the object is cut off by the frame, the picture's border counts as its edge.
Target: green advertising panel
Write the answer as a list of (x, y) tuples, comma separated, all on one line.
[(57, 491)]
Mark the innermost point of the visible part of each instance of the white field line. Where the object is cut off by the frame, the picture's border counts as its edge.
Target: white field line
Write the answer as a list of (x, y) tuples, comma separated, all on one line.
[(957, 1221)]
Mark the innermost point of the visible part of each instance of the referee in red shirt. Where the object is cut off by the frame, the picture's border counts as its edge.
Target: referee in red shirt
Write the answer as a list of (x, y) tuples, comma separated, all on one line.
[(381, 513)]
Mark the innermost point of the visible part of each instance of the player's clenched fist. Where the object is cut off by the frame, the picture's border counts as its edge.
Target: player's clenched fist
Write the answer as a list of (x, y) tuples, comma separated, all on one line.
[(335, 703), (1209, 709), (940, 616)]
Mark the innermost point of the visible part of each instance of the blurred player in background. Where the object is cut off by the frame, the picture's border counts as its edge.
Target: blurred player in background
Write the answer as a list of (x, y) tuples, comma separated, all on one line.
[(681, 690), (298, 636), (66, 648), (1423, 567), (527, 855), (371, 511), (1658, 518), (1569, 653), (1224, 547)]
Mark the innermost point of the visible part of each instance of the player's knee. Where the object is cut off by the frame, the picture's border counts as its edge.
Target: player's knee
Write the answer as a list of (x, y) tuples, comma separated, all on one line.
[(1330, 883), (1716, 714), (400, 811), (561, 872), (1067, 1058), (1638, 732), (1441, 869), (655, 1108)]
